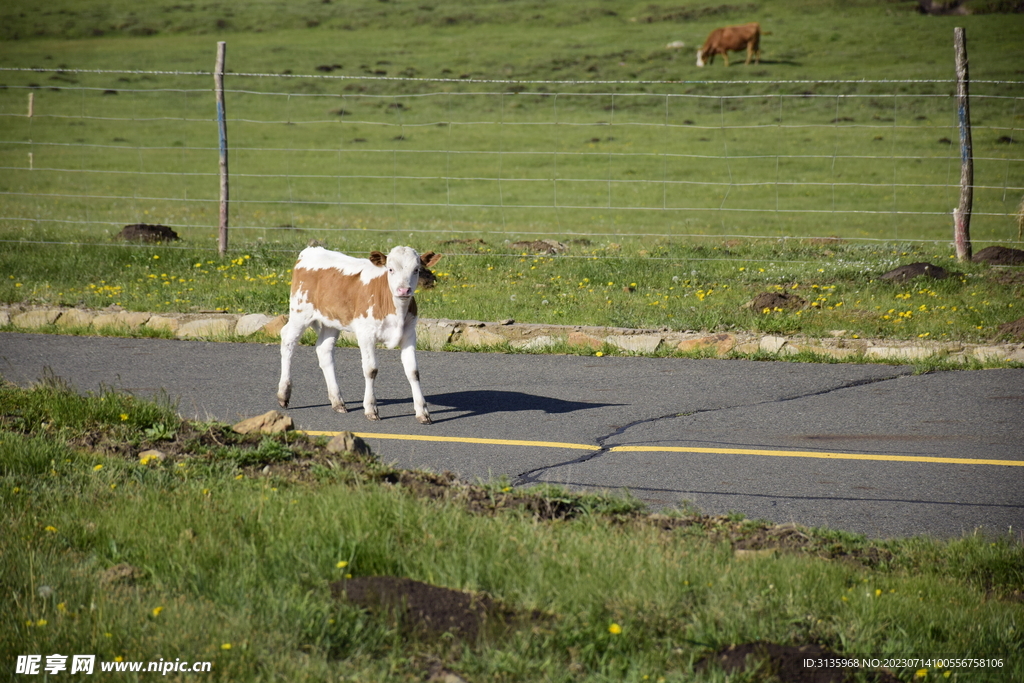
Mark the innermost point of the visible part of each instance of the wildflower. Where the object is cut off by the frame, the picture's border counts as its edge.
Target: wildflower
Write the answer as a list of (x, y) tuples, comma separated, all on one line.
[(50, 529), (124, 416), (598, 354), (342, 564), (97, 468), (157, 610), (225, 646), (614, 629), (921, 673)]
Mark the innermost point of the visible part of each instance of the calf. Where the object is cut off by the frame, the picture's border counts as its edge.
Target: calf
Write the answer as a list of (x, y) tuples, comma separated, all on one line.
[(372, 298), (735, 38)]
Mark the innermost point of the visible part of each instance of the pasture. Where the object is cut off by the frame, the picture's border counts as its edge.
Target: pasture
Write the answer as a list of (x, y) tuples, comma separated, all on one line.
[(467, 127)]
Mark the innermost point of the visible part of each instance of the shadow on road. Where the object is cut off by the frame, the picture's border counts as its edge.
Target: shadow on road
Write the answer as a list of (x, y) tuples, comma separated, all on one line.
[(483, 402)]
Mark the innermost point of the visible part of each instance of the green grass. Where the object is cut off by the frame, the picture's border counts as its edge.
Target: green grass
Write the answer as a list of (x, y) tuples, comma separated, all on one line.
[(233, 567), (690, 285), (769, 150), (650, 181)]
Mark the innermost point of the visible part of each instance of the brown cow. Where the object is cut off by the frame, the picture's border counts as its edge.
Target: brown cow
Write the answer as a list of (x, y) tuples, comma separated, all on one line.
[(734, 38)]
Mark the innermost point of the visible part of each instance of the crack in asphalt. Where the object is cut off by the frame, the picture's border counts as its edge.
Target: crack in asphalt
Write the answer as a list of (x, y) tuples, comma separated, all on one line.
[(531, 476)]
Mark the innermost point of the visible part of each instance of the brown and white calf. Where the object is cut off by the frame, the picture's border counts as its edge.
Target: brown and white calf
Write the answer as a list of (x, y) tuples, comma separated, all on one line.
[(373, 299), (734, 38)]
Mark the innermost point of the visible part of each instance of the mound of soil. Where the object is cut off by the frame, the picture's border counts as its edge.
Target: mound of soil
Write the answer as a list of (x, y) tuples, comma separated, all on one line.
[(423, 609), (143, 232), (1012, 330), (783, 663), (773, 300), (910, 271), (1000, 256), (549, 247)]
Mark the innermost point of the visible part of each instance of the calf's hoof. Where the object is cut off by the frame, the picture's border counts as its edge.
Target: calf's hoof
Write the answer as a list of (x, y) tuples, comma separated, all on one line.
[(373, 417), (340, 408), (424, 419)]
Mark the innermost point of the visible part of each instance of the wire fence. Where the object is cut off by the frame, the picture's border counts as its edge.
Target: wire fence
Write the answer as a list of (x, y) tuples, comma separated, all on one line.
[(83, 153)]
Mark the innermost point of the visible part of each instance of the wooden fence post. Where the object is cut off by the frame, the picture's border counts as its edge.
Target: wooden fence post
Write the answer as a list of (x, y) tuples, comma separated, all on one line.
[(222, 126), (962, 214)]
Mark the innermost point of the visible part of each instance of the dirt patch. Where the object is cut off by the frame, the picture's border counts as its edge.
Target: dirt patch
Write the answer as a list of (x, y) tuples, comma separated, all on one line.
[(122, 574), (751, 538), (422, 609), (549, 247), (143, 232), (1013, 331), (1000, 256), (773, 300), (912, 270), (784, 663)]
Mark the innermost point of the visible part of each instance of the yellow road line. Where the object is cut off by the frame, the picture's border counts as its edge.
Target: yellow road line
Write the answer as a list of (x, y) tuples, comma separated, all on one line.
[(816, 454), (686, 449), (463, 439)]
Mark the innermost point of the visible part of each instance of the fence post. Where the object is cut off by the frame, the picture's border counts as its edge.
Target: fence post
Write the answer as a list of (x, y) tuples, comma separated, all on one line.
[(222, 127), (962, 214)]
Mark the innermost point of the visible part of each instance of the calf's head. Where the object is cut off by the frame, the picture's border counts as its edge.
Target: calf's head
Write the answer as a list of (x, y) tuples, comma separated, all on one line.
[(403, 266)]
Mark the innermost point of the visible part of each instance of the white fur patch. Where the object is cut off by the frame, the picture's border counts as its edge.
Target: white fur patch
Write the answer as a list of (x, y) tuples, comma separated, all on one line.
[(318, 258)]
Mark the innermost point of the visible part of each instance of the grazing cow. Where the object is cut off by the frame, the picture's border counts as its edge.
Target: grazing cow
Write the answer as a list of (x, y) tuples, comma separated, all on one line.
[(735, 38), (372, 298)]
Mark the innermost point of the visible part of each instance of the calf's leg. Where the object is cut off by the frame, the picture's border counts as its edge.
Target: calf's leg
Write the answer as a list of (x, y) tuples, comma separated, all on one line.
[(325, 355), (368, 352), (290, 335), (412, 373)]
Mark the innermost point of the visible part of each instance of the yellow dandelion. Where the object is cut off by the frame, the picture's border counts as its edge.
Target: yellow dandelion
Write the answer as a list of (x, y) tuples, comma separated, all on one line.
[(921, 673), (599, 354), (97, 468), (124, 416), (42, 622), (50, 529), (614, 629), (225, 646), (157, 610), (342, 564)]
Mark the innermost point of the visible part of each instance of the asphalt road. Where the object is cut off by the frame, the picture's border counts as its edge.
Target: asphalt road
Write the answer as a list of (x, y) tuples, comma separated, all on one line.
[(863, 448)]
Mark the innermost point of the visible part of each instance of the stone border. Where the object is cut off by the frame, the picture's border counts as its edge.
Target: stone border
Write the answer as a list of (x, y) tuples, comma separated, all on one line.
[(434, 334)]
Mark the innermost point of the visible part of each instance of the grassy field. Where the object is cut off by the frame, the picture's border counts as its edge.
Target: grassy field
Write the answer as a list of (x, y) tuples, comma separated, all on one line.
[(225, 552), (693, 196), (687, 286), (500, 149)]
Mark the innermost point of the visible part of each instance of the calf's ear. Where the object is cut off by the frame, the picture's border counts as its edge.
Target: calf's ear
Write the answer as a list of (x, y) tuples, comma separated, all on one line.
[(429, 259), (377, 258)]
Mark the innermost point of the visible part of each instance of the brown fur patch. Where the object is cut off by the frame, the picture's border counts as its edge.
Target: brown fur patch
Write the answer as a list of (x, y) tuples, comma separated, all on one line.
[(344, 297)]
